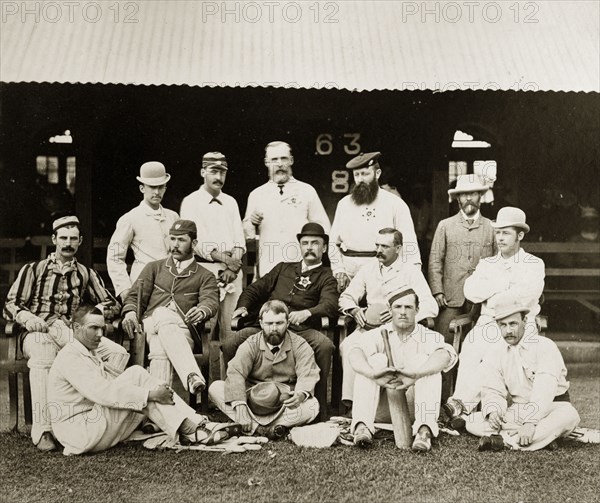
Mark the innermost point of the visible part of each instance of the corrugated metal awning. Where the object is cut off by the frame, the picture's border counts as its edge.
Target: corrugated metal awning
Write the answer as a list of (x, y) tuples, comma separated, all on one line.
[(543, 45)]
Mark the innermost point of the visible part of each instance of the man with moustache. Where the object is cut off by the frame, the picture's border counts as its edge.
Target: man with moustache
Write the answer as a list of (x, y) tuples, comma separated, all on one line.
[(373, 281), (525, 403), (43, 300), (95, 410), (308, 289), (145, 229), (177, 293), (270, 382), (277, 210), (512, 271), (361, 214), (419, 357), (222, 244), (459, 243)]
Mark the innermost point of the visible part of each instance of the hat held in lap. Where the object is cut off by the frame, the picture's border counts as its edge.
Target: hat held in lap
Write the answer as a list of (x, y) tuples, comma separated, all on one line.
[(267, 397)]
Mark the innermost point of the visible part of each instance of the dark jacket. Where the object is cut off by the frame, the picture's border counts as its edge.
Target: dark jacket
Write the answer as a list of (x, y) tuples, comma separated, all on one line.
[(315, 290), (194, 286)]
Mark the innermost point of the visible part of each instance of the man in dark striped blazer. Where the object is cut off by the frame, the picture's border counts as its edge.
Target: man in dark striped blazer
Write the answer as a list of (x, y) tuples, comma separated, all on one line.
[(42, 300)]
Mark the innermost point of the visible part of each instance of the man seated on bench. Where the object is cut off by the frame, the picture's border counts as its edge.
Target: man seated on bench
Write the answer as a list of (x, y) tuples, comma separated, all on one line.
[(373, 280), (528, 372), (97, 410), (271, 380), (309, 289), (177, 293), (511, 270), (43, 299)]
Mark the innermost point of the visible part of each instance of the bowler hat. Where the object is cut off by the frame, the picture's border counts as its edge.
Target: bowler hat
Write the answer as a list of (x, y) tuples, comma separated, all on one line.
[(510, 217), (313, 229), (153, 173), (180, 227), (214, 160), (266, 397), (468, 183), (363, 160), (506, 304)]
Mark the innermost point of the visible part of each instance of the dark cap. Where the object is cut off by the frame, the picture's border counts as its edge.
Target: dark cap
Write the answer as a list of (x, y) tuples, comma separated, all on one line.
[(214, 160), (363, 160), (180, 227), (313, 229)]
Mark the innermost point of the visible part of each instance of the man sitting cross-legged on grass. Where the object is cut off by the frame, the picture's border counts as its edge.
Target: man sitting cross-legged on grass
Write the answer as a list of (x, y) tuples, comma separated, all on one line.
[(96, 410), (419, 356), (528, 371), (271, 380)]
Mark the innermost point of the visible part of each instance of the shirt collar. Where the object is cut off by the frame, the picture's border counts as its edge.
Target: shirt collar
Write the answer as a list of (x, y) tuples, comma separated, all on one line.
[(70, 264), (517, 257), (286, 344), (475, 217), (184, 264), (206, 195), (396, 264), (306, 268), (413, 335), (149, 211), (291, 180)]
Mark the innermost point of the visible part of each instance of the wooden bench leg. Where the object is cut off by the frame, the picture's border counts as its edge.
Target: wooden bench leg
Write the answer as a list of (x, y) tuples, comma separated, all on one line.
[(13, 400), (27, 399)]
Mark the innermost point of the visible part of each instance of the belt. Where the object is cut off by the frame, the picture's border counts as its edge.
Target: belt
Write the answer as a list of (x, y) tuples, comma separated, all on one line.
[(352, 253)]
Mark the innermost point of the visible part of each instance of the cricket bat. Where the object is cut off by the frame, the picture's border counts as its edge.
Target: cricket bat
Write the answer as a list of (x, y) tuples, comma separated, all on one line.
[(397, 403)]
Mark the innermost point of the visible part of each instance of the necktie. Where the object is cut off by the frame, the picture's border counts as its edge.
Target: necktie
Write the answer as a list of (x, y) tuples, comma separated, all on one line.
[(280, 188), (275, 350), (470, 221), (215, 200)]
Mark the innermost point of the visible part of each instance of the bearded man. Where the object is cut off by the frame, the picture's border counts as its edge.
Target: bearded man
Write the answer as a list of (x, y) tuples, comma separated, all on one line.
[(460, 241), (361, 214)]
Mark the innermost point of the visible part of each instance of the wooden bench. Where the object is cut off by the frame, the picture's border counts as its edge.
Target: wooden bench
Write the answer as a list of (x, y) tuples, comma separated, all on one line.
[(561, 265), (11, 260)]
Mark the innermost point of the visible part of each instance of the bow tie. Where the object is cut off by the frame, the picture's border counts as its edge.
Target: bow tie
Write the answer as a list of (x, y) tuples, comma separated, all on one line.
[(215, 200), (275, 350)]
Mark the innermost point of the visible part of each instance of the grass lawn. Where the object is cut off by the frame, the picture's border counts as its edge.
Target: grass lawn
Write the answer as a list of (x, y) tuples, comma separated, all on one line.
[(454, 471)]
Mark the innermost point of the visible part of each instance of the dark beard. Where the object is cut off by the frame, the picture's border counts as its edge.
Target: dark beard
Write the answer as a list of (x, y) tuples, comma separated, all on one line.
[(364, 193)]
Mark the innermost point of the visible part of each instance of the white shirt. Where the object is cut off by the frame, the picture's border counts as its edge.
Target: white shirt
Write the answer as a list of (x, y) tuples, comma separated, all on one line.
[(374, 280), (421, 341), (219, 225), (522, 274), (283, 218), (530, 372), (356, 227), (182, 265), (146, 231)]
